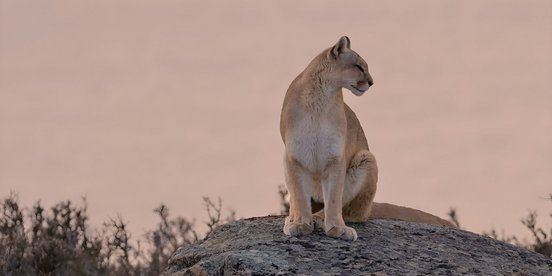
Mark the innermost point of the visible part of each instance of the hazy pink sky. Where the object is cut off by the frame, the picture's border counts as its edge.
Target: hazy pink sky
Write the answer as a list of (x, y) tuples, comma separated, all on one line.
[(134, 103)]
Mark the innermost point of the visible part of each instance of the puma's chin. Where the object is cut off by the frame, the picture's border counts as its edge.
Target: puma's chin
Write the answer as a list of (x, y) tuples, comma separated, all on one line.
[(358, 91)]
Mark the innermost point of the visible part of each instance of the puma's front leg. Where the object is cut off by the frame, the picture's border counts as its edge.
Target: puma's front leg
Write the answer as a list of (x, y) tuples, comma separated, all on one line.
[(332, 183), (299, 185)]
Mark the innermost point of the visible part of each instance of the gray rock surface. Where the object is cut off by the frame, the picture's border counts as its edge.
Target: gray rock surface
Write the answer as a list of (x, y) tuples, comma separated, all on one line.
[(257, 246)]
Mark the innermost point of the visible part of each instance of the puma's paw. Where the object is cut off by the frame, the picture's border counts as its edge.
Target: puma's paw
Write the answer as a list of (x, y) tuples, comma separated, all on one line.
[(342, 232), (318, 220), (296, 229)]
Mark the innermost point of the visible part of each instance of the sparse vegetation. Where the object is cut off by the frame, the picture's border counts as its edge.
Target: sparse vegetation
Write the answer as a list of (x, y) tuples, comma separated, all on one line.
[(541, 239), (59, 241)]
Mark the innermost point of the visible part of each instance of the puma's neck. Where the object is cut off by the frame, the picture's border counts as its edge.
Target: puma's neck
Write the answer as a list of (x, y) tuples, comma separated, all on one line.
[(317, 91), (318, 94)]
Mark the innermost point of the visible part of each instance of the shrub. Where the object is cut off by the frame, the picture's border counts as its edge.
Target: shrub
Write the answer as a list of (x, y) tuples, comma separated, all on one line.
[(541, 239), (60, 241)]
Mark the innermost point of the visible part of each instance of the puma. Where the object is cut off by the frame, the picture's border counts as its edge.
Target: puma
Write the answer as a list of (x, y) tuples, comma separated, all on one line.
[(327, 158)]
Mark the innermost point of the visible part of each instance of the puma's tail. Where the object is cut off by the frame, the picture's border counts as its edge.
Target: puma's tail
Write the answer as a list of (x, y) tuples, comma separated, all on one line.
[(391, 211)]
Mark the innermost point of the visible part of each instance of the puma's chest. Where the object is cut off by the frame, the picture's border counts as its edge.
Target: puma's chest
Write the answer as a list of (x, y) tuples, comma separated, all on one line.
[(315, 142)]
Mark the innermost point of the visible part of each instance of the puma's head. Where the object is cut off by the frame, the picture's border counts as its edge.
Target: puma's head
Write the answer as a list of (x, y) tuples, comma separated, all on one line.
[(346, 68)]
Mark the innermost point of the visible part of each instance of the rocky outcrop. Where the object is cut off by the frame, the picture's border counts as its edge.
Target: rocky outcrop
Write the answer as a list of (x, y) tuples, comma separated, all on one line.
[(257, 246)]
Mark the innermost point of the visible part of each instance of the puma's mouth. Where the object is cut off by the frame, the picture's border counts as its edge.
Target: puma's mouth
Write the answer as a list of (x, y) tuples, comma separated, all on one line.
[(357, 91)]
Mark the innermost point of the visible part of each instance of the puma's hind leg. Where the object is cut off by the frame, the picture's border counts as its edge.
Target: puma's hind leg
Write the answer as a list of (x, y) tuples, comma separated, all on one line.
[(359, 191), (360, 187)]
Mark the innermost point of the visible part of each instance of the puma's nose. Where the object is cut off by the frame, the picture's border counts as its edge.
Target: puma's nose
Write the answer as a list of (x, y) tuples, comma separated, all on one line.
[(370, 82)]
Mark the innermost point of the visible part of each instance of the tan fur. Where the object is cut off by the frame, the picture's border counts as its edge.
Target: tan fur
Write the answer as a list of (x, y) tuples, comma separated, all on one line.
[(327, 158), (390, 211)]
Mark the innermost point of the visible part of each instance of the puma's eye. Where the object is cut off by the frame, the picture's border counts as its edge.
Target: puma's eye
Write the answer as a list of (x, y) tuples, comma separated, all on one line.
[(359, 68)]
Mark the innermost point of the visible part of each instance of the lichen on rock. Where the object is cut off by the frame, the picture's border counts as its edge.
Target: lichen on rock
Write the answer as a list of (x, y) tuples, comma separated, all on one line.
[(257, 246)]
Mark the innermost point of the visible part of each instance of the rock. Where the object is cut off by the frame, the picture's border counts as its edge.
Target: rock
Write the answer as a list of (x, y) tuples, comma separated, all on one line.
[(257, 246)]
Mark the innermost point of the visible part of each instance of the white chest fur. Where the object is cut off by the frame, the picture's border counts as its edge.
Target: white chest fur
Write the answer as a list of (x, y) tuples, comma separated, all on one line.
[(315, 141)]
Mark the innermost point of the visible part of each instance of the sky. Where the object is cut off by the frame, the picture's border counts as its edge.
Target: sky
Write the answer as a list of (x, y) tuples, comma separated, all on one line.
[(137, 103)]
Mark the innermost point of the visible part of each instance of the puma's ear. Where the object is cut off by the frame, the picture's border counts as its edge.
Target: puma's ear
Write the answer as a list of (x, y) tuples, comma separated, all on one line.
[(341, 46)]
